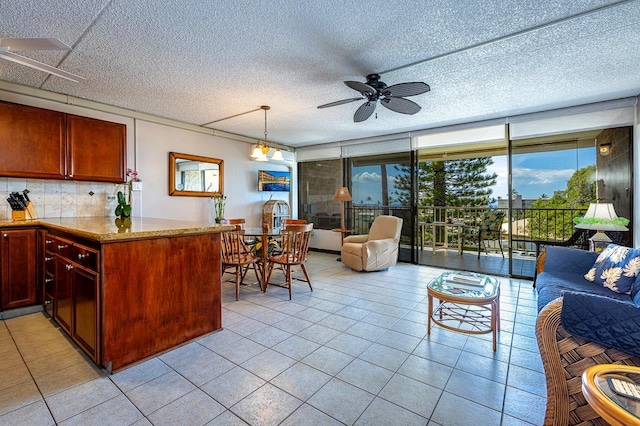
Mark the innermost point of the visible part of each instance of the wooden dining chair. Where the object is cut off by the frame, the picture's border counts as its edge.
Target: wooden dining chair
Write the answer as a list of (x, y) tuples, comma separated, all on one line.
[(295, 246), (287, 222), (235, 254), (239, 222)]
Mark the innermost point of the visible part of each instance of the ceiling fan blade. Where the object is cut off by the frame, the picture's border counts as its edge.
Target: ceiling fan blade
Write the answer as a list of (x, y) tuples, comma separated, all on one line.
[(33, 44), (336, 103), (401, 105), (363, 88), (406, 89), (13, 57), (364, 112)]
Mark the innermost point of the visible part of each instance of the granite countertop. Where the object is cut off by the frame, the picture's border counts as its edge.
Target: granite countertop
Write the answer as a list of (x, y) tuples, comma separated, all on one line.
[(105, 229)]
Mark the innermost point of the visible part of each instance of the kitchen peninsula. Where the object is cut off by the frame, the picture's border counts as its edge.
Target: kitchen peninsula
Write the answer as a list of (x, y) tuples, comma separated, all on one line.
[(125, 290)]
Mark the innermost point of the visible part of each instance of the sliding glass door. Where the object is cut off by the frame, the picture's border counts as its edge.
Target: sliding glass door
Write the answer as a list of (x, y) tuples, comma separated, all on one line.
[(383, 185)]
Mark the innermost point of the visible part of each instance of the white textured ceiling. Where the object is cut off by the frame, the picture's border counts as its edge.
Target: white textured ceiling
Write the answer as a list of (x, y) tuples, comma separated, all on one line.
[(200, 61)]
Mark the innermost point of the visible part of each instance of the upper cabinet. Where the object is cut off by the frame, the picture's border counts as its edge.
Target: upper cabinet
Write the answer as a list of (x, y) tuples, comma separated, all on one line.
[(32, 141), (40, 143), (95, 150)]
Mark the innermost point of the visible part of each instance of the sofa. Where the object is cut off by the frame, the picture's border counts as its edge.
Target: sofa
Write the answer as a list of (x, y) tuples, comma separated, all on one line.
[(588, 313)]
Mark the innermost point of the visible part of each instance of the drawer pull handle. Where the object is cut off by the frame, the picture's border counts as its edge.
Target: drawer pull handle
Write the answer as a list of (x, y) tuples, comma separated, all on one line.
[(48, 259), (69, 267), (60, 247), (48, 280), (5, 235), (82, 255), (48, 241)]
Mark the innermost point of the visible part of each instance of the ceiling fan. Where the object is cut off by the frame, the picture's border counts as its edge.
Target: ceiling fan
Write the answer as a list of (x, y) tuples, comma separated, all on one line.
[(391, 97), (9, 45)]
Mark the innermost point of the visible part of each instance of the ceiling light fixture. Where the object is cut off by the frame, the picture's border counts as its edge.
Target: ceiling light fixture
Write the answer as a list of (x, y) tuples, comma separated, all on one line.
[(262, 148)]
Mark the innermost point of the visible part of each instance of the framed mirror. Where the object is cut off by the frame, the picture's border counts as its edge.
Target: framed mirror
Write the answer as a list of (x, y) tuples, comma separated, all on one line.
[(195, 176)]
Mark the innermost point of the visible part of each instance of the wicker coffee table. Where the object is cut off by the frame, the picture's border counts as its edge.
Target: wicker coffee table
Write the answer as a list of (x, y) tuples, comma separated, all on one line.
[(469, 303)]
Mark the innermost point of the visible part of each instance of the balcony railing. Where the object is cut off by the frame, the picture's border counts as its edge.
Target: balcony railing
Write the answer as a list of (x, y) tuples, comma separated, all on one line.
[(528, 225)]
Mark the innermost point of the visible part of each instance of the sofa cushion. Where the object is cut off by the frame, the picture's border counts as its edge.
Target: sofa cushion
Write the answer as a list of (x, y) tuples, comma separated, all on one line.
[(616, 268), (550, 286), (610, 322)]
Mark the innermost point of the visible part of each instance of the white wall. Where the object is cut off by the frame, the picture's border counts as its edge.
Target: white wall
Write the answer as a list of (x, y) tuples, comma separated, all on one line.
[(153, 144)]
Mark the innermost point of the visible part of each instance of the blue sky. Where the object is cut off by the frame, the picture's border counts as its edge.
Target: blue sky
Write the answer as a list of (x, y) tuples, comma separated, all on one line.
[(534, 174), (540, 173)]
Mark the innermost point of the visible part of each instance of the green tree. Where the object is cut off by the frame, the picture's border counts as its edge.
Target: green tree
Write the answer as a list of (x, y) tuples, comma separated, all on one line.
[(557, 221), (450, 183)]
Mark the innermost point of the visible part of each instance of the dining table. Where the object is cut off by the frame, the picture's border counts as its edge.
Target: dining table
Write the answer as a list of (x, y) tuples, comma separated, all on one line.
[(265, 233)]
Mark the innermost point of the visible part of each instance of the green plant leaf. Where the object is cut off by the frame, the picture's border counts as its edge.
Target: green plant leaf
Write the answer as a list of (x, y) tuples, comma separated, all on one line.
[(118, 209), (126, 210), (121, 199)]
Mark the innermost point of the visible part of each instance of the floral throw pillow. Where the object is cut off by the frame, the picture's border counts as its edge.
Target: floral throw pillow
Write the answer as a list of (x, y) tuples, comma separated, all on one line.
[(616, 268)]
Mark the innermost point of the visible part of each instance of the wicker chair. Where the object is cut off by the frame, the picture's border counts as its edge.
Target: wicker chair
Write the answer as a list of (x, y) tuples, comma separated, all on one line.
[(565, 357)]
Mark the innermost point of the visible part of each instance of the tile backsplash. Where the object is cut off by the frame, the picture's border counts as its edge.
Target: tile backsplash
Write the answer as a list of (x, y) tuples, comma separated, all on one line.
[(61, 198)]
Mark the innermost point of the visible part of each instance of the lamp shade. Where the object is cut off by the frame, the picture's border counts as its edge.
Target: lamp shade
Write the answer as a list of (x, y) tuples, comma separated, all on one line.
[(342, 194), (257, 152), (600, 217), (277, 155)]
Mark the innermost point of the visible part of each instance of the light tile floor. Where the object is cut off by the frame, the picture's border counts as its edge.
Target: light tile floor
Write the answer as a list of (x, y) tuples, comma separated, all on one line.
[(353, 351)]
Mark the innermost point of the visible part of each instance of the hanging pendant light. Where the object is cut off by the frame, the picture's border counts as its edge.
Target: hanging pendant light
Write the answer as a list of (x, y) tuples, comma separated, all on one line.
[(277, 155), (260, 150)]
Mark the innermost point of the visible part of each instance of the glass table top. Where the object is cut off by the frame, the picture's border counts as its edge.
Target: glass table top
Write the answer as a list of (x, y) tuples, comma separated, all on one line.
[(465, 284), (610, 381)]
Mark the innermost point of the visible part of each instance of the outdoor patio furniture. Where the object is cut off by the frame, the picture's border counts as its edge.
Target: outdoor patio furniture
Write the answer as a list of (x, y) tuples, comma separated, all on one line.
[(490, 229)]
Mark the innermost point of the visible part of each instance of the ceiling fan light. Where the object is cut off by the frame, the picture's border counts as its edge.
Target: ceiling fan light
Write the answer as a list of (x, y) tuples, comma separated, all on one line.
[(277, 155)]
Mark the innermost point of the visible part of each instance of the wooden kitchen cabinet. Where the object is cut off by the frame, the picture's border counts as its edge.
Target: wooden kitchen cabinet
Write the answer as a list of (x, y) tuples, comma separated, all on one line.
[(76, 294), (18, 277), (39, 143), (33, 142), (95, 150)]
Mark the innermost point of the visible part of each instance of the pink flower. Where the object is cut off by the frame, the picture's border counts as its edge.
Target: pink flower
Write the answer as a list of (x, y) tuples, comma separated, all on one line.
[(133, 174)]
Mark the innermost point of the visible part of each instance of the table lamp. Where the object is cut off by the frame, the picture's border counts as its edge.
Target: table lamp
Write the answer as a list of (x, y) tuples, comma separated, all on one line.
[(342, 195), (601, 217)]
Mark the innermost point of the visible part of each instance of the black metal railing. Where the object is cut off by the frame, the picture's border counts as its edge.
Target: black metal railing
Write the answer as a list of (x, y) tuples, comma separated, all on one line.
[(528, 225)]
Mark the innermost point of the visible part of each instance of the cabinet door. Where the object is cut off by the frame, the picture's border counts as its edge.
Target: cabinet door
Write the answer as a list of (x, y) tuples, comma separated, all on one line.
[(96, 150), (18, 274), (63, 297), (85, 310), (32, 142)]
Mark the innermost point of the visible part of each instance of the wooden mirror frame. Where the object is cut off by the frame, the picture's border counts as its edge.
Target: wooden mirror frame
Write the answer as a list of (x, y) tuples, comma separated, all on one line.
[(174, 156)]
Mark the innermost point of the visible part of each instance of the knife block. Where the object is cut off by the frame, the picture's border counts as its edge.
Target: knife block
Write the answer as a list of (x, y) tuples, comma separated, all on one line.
[(26, 214)]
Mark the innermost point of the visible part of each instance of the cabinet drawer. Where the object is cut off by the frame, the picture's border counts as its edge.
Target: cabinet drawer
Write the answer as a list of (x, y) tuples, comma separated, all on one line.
[(85, 256), (59, 245)]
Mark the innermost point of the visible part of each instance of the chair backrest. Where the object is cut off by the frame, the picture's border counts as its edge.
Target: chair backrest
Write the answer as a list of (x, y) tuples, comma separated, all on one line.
[(233, 247), (491, 222), (239, 222), (295, 242), (386, 227), (287, 222)]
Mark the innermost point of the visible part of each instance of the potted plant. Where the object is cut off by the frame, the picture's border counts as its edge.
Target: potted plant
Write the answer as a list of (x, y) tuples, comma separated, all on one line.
[(123, 209), (219, 203)]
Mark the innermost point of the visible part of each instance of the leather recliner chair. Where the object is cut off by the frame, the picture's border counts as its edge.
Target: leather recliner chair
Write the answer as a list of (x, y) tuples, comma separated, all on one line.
[(376, 250)]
